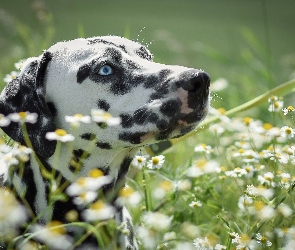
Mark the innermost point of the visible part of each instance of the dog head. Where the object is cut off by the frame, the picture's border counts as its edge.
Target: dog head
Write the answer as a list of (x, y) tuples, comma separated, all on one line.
[(155, 101)]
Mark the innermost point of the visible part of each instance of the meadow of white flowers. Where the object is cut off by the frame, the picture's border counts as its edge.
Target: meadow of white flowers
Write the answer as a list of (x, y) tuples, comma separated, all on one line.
[(235, 192)]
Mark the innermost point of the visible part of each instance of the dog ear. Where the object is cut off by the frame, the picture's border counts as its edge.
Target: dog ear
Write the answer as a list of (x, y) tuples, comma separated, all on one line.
[(27, 93)]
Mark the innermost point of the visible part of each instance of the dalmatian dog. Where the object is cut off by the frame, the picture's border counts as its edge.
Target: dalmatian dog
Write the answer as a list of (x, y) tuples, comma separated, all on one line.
[(154, 101)]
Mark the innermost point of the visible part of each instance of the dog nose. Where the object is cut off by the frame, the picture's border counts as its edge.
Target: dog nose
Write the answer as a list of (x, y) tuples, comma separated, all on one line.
[(197, 82)]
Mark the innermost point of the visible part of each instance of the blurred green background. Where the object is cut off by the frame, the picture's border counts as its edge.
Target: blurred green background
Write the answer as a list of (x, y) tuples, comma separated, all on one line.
[(251, 43)]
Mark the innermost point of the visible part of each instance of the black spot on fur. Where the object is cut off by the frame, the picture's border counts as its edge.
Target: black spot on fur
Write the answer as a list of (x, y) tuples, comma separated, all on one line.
[(151, 81), (162, 124), (98, 40), (114, 54), (52, 108), (164, 73), (83, 73), (103, 145), (164, 135), (88, 136), (124, 167), (171, 107), (102, 104), (144, 53), (133, 138), (132, 65), (76, 162), (140, 116), (127, 121), (120, 87)]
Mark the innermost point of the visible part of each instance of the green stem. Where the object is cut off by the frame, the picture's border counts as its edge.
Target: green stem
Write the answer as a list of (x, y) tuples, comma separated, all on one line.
[(146, 192)]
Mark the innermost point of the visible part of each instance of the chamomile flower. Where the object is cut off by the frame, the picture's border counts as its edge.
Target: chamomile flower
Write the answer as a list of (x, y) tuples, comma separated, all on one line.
[(59, 135), (262, 240), (4, 121), (85, 198), (285, 180), (9, 77), (53, 234), (98, 210), (244, 202), (101, 116), (18, 65), (138, 161), (148, 237), (204, 148), (276, 104), (94, 181), (156, 162), (156, 220), (22, 153), (287, 132), (128, 196), (262, 210), (195, 204), (23, 117), (12, 214), (235, 237), (202, 244), (77, 119), (184, 185), (202, 166), (285, 210), (288, 110), (219, 84), (162, 189), (237, 172), (267, 179)]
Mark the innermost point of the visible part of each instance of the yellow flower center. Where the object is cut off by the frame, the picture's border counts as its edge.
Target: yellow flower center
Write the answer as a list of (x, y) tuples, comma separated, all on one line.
[(288, 131), (95, 173), (107, 116), (201, 163), (165, 185), (223, 168), (60, 132), (263, 240), (248, 169), (81, 181), (267, 126), (245, 238), (285, 180), (126, 192), (56, 227), (276, 105), (155, 161), (22, 115), (247, 120), (140, 160), (291, 108), (258, 205), (98, 205), (221, 111), (78, 115), (241, 151), (273, 98)]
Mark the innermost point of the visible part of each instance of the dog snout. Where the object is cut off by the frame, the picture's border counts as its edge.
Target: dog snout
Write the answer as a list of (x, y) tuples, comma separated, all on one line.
[(197, 82)]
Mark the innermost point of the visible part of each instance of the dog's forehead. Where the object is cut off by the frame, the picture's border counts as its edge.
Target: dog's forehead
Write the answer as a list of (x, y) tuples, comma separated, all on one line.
[(86, 47)]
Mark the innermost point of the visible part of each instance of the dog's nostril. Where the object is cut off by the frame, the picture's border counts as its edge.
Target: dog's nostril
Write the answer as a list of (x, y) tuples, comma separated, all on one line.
[(196, 82)]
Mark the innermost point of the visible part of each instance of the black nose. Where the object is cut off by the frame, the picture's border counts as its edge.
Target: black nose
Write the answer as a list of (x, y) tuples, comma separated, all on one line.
[(195, 81)]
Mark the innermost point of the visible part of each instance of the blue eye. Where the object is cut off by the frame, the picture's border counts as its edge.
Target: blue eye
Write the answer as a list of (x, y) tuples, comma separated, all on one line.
[(105, 70)]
